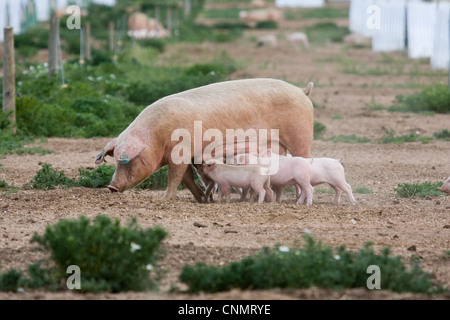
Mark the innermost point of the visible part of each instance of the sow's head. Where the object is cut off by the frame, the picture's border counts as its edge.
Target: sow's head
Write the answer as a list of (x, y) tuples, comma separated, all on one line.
[(133, 160)]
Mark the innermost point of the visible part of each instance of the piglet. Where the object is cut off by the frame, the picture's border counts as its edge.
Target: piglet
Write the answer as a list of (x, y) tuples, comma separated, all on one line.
[(331, 171), (446, 186), (227, 176), (305, 173)]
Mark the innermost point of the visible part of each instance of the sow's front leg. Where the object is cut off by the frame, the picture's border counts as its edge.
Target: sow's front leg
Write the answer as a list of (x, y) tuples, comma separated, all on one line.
[(177, 174)]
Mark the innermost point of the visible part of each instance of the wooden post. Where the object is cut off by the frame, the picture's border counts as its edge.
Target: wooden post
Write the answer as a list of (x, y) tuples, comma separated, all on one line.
[(158, 14), (53, 45), (187, 8), (111, 36), (169, 19), (9, 78), (87, 42)]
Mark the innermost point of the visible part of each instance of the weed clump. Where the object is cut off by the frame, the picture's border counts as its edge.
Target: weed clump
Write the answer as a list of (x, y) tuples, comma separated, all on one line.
[(48, 178), (423, 189)]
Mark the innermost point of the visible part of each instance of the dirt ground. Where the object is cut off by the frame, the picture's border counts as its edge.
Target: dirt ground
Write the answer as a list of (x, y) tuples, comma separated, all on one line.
[(233, 231)]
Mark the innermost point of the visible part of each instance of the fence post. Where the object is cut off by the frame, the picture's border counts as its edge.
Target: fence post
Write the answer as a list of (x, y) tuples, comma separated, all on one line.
[(111, 36), (53, 45), (187, 8), (169, 19), (87, 42), (9, 84)]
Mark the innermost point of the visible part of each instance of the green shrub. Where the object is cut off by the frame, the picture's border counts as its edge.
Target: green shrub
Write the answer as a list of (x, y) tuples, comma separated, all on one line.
[(267, 24), (319, 130), (110, 257), (311, 265), (434, 98), (11, 280), (442, 135), (48, 178), (37, 118), (100, 177), (36, 37), (424, 189)]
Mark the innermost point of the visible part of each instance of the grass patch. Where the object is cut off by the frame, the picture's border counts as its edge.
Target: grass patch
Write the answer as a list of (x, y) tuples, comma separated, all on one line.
[(319, 130), (390, 137), (4, 186), (350, 67), (324, 191), (226, 13), (363, 190), (349, 139), (423, 189), (373, 106), (311, 265), (322, 32), (316, 13), (336, 116)]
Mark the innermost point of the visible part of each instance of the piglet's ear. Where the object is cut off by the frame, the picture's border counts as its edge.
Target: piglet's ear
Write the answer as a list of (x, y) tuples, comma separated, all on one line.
[(108, 150)]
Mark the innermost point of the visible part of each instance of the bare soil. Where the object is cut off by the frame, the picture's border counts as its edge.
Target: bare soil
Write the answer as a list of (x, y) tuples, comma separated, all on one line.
[(233, 231)]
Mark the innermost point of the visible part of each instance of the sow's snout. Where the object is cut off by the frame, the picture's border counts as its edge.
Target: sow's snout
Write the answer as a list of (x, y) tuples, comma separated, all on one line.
[(113, 188)]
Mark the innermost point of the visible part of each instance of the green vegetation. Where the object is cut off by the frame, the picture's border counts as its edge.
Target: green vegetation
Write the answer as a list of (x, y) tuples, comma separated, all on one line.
[(349, 139), (48, 178), (4, 186), (268, 24), (363, 190), (424, 189), (111, 257), (434, 98), (389, 137), (100, 177), (157, 181), (442, 135), (316, 13), (323, 32), (228, 13), (311, 265), (319, 130)]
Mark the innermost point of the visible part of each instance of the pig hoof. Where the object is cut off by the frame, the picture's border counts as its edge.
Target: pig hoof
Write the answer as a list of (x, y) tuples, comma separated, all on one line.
[(113, 188)]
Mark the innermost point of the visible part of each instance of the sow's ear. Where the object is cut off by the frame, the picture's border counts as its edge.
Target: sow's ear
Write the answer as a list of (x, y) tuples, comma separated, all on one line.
[(128, 149), (108, 150)]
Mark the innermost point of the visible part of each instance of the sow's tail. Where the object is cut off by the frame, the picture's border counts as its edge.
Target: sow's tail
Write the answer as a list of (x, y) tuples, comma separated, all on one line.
[(308, 88)]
